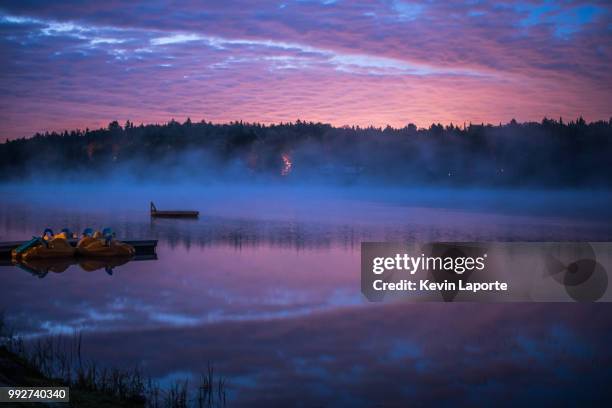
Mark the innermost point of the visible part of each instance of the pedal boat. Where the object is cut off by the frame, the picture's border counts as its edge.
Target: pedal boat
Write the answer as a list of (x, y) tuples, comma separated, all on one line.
[(102, 244), (46, 247)]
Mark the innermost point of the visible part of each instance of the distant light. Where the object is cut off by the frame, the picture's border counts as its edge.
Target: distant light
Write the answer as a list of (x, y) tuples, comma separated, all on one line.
[(287, 164)]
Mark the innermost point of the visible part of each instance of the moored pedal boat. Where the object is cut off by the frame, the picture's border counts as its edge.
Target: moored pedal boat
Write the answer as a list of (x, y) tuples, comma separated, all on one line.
[(45, 247), (103, 244), (145, 248)]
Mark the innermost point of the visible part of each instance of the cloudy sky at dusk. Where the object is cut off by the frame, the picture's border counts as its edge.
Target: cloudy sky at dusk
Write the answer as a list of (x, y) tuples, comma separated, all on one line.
[(76, 65)]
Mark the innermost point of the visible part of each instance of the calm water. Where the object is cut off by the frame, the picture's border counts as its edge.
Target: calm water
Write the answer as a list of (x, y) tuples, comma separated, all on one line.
[(265, 285)]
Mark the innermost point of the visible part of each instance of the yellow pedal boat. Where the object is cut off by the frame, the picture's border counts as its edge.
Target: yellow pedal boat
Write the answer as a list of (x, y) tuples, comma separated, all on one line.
[(102, 244), (48, 246)]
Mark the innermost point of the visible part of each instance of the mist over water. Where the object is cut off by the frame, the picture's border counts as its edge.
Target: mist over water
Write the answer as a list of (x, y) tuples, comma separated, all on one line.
[(307, 201), (551, 154)]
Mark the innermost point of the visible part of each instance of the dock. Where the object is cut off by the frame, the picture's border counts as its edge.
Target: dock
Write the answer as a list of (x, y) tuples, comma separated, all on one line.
[(143, 247), (173, 213)]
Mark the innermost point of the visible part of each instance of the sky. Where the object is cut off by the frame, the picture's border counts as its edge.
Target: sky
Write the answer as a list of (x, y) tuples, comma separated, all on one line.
[(68, 65)]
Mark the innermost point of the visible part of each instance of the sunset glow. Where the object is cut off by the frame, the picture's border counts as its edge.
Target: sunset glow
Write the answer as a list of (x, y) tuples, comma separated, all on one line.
[(69, 66)]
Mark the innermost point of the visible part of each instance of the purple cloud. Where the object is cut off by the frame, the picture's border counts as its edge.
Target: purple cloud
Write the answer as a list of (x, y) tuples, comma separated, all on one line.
[(84, 64)]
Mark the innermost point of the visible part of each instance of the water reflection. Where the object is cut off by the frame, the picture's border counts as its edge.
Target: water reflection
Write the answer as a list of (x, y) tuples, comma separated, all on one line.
[(275, 303), (186, 287), (41, 267), (369, 223), (391, 355)]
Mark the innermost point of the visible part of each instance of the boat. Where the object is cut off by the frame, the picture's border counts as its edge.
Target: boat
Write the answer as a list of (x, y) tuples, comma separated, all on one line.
[(173, 213), (145, 249), (46, 246), (86, 239), (102, 244)]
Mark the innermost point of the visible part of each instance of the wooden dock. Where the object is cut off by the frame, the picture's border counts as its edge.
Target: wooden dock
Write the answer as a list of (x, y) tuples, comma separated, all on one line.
[(142, 247), (173, 213)]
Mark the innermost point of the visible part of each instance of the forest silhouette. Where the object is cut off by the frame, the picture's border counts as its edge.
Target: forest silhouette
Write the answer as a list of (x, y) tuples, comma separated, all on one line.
[(550, 153)]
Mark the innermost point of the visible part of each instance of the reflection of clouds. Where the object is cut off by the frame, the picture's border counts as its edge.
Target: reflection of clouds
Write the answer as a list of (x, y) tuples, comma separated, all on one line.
[(185, 288), (466, 354), (172, 319), (97, 316), (282, 318)]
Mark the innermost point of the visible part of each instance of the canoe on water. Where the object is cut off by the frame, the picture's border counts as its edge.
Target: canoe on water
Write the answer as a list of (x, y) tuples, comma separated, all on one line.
[(173, 213)]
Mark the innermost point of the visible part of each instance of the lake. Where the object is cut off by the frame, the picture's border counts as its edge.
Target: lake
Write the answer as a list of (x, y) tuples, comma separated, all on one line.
[(265, 285)]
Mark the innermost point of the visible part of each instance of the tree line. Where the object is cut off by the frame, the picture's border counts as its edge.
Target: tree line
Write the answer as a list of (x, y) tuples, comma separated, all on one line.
[(549, 153)]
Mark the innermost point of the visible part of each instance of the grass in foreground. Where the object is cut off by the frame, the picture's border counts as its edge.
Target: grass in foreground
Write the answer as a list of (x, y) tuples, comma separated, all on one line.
[(58, 361)]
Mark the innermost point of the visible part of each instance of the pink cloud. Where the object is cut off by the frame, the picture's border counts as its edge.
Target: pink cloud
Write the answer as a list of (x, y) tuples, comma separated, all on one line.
[(352, 63)]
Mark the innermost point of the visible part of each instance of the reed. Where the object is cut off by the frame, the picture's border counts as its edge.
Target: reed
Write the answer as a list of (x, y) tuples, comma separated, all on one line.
[(60, 360)]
